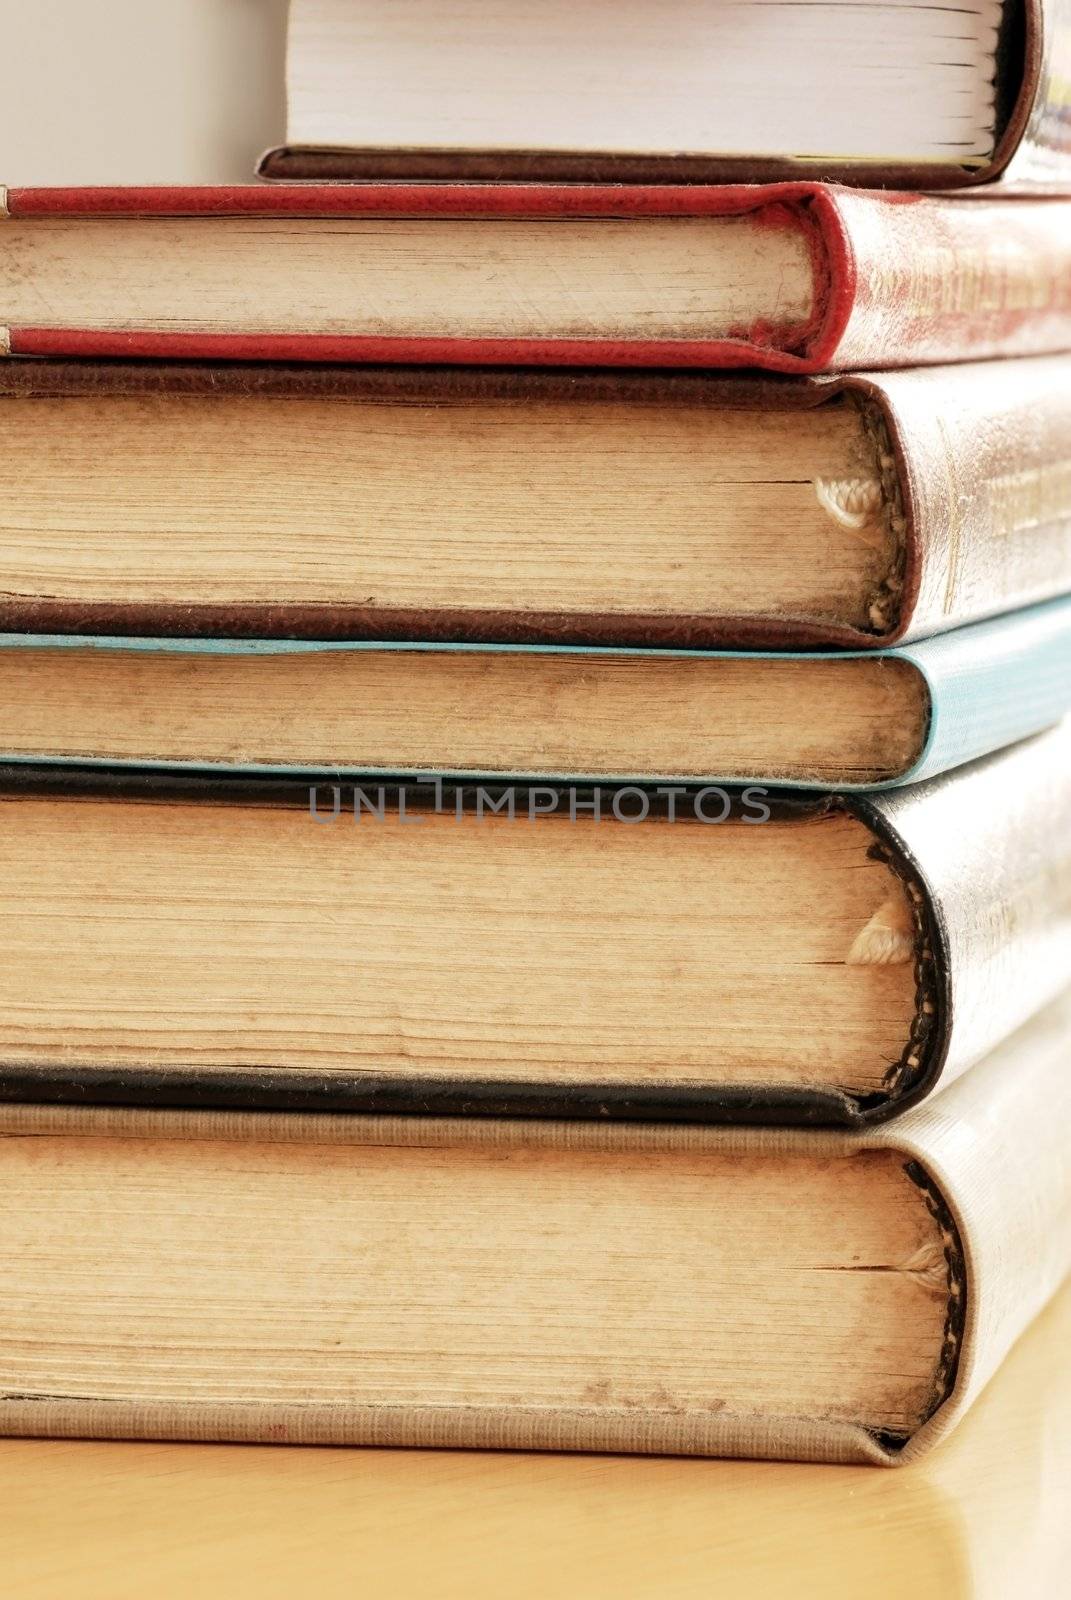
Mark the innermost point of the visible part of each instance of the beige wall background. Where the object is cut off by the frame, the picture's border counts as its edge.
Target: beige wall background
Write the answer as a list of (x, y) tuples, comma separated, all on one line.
[(139, 91)]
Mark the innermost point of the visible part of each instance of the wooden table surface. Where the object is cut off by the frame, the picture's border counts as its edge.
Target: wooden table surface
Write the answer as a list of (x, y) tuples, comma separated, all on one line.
[(989, 1514)]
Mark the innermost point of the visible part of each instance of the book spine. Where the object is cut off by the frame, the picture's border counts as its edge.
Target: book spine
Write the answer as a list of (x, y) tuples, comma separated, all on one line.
[(992, 684), (994, 1146), (1041, 157), (993, 844), (948, 280), (984, 465)]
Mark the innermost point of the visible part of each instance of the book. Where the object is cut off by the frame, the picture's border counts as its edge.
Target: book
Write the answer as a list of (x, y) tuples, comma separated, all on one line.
[(905, 94), (793, 277), (693, 954), (819, 720), (292, 1517), (533, 1285), (613, 508)]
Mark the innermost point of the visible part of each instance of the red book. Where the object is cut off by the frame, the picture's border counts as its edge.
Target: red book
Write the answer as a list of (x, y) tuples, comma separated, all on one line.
[(792, 277)]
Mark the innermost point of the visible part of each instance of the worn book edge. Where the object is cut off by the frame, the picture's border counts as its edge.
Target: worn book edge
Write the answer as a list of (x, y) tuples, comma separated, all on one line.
[(990, 1150), (989, 685)]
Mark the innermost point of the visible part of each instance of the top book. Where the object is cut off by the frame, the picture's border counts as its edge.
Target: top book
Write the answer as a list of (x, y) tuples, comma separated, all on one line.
[(882, 93)]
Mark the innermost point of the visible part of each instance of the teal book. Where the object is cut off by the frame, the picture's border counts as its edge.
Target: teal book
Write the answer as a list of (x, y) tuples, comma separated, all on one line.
[(554, 714)]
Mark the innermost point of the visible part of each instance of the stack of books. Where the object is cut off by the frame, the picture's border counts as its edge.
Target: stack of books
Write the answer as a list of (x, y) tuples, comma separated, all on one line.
[(537, 855)]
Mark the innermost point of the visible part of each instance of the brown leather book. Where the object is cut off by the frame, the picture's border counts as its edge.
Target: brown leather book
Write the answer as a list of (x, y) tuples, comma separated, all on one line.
[(454, 504), (900, 94), (837, 1297), (683, 953)]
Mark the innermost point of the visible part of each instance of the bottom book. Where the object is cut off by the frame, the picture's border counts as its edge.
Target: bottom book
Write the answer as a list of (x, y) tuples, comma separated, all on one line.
[(833, 1296)]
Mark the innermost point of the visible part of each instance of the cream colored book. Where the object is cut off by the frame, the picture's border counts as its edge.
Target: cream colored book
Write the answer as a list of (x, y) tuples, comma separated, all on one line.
[(696, 954), (531, 1284), (459, 504), (892, 92)]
